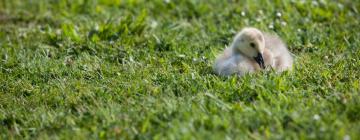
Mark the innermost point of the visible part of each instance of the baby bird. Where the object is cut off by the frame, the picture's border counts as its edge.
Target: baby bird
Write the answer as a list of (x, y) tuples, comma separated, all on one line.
[(252, 50)]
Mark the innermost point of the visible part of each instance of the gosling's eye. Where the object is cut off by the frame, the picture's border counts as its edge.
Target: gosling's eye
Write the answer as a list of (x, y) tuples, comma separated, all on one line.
[(252, 45)]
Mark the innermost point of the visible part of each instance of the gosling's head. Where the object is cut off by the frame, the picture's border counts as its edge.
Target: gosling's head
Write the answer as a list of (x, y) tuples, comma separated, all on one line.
[(250, 42)]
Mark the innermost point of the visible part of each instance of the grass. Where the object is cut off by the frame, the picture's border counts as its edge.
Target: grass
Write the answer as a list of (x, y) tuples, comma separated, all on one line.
[(139, 69)]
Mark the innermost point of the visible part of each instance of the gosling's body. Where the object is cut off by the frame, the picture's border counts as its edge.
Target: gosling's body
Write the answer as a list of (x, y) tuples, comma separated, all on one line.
[(281, 55), (229, 63), (239, 57)]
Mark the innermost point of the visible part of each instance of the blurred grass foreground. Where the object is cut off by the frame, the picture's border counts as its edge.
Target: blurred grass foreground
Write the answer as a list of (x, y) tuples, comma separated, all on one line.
[(142, 69)]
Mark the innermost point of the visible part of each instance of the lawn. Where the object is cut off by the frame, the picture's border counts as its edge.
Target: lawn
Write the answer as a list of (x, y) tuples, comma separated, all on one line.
[(142, 69)]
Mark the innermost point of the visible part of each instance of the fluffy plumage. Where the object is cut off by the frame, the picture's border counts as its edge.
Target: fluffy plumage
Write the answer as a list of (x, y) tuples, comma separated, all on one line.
[(251, 51)]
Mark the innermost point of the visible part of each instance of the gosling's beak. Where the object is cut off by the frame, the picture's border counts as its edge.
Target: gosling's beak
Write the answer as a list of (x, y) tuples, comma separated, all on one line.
[(259, 59)]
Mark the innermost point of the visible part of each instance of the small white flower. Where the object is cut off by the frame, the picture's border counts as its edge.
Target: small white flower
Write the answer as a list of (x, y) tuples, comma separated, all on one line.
[(316, 117), (153, 24), (326, 57), (315, 3), (283, 23), (96, 27), (347, 137), (278, 14), (258, 19), (58, 31), (261, 12), (243, 13), (271, 26), (340, 6), (181, 55), (131, 59), (203, 57)]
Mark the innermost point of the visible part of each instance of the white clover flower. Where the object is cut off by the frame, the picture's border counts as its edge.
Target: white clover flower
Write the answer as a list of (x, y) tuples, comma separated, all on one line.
[(271, 26), (347, 137), (278, 14), (243, 13), (316, 117), (153, 24), (181, 55)]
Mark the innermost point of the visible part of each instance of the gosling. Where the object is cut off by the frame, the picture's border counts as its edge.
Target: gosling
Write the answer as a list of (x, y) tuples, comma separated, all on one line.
[(251, 51)]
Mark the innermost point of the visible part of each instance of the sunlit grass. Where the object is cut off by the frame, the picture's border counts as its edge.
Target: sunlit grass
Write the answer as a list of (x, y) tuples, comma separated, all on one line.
[(141, 69)]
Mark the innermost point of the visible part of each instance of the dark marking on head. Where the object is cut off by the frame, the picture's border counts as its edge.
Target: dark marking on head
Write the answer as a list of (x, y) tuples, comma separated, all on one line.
[(252, 45)]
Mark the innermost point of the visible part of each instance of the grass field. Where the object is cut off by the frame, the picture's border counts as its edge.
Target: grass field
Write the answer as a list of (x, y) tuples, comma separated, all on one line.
[(142, 69)]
